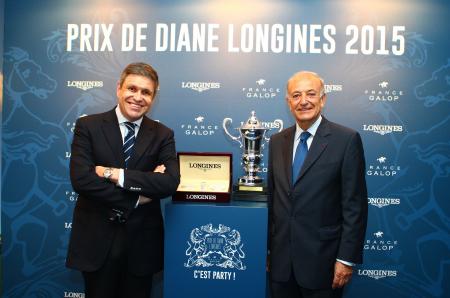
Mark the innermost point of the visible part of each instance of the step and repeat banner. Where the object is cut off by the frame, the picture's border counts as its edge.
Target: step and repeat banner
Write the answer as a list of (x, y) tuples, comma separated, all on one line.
[(386, 65)]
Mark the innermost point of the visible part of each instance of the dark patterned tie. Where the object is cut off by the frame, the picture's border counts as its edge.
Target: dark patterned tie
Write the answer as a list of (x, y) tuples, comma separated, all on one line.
[(300, 154), (128, 142)]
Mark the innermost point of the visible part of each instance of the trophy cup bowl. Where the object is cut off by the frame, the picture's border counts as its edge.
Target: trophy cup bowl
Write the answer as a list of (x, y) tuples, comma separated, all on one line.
[(252, 138)]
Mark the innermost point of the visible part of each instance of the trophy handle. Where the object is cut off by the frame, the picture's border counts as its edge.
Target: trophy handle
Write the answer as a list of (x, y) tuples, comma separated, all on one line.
[(224, 125), (279, 121)]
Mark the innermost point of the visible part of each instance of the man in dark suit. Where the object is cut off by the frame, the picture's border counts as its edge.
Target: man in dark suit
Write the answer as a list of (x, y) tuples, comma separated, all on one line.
[(317, 198), (122, 164)]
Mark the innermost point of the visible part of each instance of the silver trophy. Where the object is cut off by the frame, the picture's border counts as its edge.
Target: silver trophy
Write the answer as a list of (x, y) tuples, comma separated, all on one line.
[(252, 136)]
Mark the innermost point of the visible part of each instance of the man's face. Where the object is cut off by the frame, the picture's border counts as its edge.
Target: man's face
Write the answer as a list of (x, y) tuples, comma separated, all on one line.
[(135, 97), (304, 100)]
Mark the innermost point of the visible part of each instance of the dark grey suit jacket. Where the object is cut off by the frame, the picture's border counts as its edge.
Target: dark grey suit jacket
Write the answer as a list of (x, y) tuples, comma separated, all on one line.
[(98, 141), (323, 216)]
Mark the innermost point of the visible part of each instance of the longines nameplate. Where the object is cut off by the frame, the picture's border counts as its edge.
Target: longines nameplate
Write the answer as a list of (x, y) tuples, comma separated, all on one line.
[(205, 177)]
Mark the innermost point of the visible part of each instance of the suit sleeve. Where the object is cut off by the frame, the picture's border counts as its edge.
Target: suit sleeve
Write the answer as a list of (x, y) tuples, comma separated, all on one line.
[(354, 202), (157, 185), (82, 171)]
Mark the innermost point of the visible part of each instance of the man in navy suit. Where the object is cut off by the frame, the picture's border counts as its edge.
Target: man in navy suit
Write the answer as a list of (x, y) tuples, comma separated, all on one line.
[(122, 164), (317, 198)]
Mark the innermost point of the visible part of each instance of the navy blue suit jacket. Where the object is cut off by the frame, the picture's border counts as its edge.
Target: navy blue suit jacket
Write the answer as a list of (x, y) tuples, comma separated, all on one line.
[(323, 215), (98, 141)]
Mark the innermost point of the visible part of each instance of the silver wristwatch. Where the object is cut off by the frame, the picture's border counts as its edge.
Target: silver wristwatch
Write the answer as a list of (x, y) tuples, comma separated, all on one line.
[(108, 173)]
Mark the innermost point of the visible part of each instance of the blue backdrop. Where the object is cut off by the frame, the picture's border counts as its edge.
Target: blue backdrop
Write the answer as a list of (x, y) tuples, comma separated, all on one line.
[(386, 65)]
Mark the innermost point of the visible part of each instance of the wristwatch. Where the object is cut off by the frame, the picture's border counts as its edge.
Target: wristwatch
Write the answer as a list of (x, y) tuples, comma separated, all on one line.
[(107, 173)]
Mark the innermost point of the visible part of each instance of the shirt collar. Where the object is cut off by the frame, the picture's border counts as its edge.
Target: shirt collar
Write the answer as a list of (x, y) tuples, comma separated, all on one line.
[(312, 129), (122, 118)]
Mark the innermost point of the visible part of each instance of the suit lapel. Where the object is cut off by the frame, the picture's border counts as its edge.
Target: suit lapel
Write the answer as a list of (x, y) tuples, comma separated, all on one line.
[(113, 136), (318, 145), (143, 140), (287, 151)]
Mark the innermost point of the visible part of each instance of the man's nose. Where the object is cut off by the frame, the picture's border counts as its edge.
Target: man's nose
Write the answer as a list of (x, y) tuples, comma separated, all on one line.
[(138, 95), (303, 99)]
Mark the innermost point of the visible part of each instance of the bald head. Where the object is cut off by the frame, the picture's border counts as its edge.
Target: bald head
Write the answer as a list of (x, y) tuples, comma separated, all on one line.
[(306, 75)]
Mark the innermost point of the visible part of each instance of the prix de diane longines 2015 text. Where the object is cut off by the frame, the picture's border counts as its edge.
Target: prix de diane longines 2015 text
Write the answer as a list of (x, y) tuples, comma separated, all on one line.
[(246, 38)]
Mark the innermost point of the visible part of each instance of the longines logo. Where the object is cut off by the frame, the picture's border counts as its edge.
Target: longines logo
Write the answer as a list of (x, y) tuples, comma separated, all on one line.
[(73, 295), (276, 124), (85, 85), (217, 248), (383, 168), (260, 90), (377, 273), (332, 88), (199, 127), (200, 197), (380, 243), (200, 86), (382, 129), (383, 93), (383, 202), (204, 166)]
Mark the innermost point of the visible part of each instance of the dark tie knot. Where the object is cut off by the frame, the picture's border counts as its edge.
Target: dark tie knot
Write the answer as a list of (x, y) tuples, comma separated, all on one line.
[(130, 125), (304, 136)]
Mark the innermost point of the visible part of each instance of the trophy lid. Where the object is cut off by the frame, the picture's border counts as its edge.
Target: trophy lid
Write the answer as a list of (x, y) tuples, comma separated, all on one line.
[(253, 123)]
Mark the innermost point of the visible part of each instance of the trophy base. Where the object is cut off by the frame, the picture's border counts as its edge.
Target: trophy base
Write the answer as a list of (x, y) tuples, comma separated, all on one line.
[(255, 193), (250, 181)]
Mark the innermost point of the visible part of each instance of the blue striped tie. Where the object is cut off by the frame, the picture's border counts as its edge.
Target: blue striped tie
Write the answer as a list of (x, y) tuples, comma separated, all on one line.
[(300, 154), (128, 142)]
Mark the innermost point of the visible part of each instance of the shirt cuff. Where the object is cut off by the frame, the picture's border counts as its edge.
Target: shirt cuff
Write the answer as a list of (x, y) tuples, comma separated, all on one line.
[(346, 263), (120, 182), (121, 179)]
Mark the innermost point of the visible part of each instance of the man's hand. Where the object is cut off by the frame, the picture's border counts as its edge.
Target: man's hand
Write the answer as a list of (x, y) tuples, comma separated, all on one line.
[(144, 200), (160, 169), (99, 170), (342, 275)]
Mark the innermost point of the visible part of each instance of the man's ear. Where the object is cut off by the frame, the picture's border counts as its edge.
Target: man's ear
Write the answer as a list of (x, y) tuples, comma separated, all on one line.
[(287, 102), (118, 89), (323, 100)]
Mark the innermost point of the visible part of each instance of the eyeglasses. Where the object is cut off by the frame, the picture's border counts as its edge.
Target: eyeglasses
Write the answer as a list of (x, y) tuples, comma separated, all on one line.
[(311, 95)]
